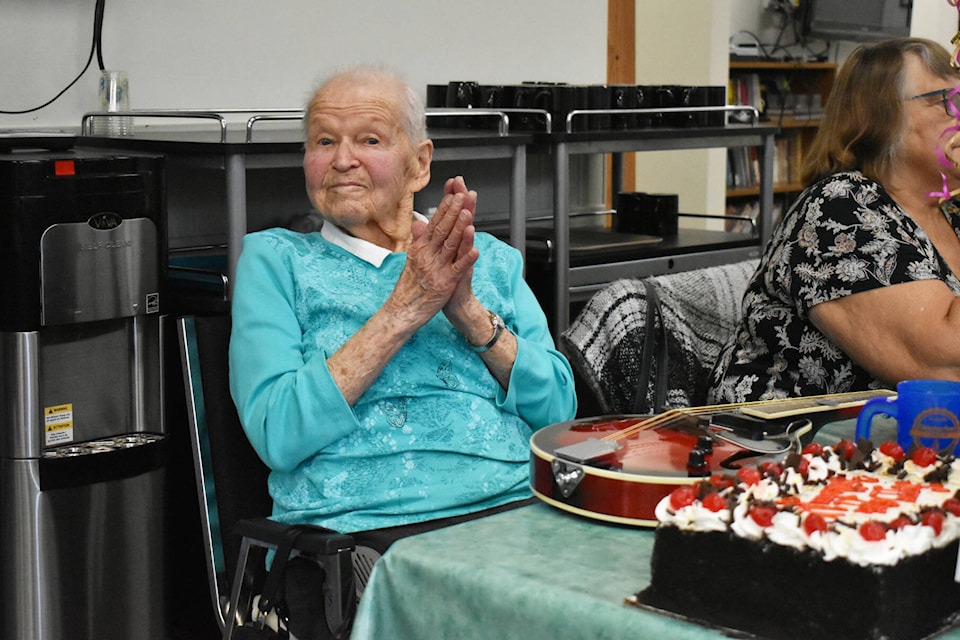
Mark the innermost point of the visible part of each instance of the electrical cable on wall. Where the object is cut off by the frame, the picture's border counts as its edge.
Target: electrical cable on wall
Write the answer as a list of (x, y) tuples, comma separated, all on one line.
[(95, 47)]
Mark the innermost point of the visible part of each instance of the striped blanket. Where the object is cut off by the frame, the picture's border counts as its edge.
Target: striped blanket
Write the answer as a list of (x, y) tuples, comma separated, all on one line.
[(699, 311)]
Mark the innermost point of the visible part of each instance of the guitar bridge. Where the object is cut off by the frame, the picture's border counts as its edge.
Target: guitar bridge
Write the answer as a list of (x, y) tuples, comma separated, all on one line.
[(586, 451)]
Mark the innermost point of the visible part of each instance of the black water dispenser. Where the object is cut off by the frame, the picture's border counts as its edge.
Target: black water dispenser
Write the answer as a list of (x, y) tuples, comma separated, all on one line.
[(82, 433)]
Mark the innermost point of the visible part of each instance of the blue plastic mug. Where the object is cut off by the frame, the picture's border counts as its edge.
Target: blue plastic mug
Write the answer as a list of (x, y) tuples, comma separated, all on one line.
[(927, 414)]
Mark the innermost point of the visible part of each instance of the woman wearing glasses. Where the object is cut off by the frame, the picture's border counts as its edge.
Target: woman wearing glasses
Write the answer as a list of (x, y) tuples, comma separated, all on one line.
[(858, 286)]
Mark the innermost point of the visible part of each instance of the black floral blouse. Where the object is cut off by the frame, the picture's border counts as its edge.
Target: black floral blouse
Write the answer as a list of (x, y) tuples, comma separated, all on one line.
[(844, 235)]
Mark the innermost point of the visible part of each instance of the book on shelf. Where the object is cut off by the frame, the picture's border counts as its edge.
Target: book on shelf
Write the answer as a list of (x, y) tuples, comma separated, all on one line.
[(781, 160), (740, 174), (796, 153), (744, 89), (745, 214), (743, 163), (743, 167), (774, 97)]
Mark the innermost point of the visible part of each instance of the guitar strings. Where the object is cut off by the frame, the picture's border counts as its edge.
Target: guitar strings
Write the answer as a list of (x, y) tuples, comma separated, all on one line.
[(672, 414)]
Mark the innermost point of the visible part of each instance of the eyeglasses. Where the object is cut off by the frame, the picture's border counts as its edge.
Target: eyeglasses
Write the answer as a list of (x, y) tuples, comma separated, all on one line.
[(949, 97)]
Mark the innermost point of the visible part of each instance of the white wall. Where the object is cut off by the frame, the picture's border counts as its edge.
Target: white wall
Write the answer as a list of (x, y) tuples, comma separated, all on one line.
[(684, 42), (255, 54), (936, 20)]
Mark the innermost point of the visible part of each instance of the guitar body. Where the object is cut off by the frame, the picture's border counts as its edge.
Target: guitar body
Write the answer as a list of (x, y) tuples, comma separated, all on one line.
[(627, 487), (618, 468)]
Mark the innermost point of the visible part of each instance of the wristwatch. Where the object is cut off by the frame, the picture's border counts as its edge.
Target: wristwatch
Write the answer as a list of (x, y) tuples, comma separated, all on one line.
[(498, 326)]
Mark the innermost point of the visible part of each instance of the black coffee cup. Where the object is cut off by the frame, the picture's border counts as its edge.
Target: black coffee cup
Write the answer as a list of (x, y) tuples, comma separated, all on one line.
[(653, 214), (646, 99), (716, 97), (463, 94), (624, 96), (692, 98), (594, 97), (567, 98), (669, 96), (523, 96), (491, 96), (436, 96), (550, 97)]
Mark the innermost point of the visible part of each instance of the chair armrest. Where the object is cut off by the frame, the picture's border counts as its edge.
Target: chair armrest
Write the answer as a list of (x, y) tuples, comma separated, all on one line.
[(312, 539), (333, 550)]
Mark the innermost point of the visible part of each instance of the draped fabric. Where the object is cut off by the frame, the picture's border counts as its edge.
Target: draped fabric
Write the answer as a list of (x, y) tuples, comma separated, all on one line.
[(699, 310)]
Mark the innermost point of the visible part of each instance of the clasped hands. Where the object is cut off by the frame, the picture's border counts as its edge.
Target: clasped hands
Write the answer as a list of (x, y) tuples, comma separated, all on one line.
[(439, 268)]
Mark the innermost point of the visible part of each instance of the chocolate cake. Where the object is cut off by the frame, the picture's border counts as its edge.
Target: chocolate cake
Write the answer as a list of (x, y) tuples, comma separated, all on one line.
[(840, 542)]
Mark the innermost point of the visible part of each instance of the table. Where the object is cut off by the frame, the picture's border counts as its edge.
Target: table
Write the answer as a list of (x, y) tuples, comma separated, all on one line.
[(534, 573)]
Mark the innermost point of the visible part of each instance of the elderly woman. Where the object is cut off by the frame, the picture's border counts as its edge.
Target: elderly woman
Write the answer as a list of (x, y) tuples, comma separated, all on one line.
[(388, 369), (858, 287)]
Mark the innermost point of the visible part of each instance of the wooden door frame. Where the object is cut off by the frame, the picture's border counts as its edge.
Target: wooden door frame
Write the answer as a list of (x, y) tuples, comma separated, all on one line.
[(622, 69)]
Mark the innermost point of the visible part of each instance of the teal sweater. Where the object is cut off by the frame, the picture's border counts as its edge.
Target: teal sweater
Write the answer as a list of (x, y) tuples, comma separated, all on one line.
[(434, 436)]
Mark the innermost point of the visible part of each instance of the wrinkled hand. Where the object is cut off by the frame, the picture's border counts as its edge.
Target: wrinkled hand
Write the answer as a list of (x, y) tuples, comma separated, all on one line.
[(464, 291), (441, 257)]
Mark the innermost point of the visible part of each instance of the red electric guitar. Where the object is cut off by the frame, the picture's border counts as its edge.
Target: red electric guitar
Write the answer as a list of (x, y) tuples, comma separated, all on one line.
[(617, 468)]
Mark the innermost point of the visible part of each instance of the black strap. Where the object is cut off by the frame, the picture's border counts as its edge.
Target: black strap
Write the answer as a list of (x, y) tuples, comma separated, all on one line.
[(649, 359), (271, 586)]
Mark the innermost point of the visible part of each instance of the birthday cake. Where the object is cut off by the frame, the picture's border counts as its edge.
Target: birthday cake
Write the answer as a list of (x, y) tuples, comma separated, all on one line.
[(839, 542)]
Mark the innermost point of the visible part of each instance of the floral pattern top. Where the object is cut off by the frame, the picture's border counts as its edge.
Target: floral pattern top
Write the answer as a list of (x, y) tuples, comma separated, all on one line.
[(434, 436), (843, 235)]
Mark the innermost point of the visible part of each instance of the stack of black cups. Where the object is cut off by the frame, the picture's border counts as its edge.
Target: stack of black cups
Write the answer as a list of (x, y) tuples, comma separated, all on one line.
[(651, 214), (559, 99)]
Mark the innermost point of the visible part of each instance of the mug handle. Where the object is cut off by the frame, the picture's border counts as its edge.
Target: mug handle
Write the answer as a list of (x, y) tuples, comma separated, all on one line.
[(886, 406)]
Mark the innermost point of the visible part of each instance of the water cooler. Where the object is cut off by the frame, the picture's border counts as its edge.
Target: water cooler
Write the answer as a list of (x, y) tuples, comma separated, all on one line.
[(82, 434)]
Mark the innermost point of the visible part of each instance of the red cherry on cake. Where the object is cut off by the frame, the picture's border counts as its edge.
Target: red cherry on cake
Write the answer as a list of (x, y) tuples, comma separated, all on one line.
[(814, 522), (772, 469), (924, 456), (749, 476), (682, 497), (933, 519), (763, 514), (873, 531), (714, 502), (953, 506), (720, 482), (900, 522), (846, 448), (813, 449), (893, 450)]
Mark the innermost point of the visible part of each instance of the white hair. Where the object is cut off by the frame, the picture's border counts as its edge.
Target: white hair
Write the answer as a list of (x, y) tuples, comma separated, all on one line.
[(413, 118)]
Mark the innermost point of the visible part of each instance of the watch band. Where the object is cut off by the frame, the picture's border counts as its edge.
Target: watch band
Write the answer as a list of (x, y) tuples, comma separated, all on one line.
[(498, 326)]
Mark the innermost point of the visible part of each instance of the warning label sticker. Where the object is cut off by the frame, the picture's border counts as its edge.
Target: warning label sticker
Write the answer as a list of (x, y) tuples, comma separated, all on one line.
[(58, 424)]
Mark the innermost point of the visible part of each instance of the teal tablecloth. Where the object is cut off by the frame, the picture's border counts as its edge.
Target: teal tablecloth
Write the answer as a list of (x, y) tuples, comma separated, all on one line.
[(534, 573), (531, 573)]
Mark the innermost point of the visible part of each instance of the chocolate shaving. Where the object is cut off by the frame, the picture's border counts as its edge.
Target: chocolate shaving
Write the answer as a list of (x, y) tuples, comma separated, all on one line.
[(792, 460), (940, 474), (857, 457)]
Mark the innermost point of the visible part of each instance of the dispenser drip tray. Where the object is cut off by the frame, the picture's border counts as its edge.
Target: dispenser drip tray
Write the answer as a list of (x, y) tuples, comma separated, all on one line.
[(103, 445), (102, 460)]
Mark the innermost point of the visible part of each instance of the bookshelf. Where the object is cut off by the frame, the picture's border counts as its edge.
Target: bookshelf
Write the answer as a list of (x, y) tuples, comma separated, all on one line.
[(790, 96)]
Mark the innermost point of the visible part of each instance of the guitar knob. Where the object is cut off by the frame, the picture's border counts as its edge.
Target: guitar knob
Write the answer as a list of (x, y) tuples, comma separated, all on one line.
[(697, 463), (705, 443)]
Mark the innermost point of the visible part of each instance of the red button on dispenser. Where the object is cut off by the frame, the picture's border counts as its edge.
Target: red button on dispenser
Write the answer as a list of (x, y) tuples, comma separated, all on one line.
[(64, 168)]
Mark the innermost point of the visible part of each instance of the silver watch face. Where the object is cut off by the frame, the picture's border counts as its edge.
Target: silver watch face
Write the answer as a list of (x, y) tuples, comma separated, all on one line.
[(498, 326)]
